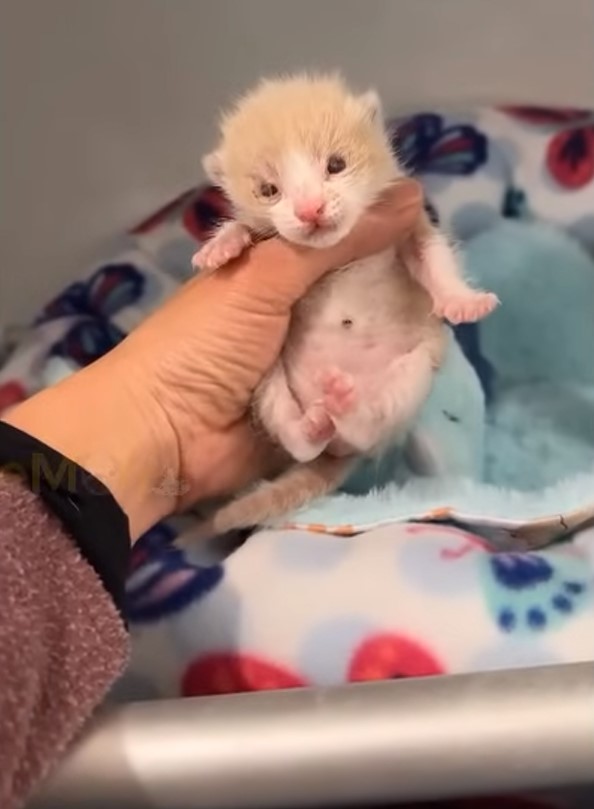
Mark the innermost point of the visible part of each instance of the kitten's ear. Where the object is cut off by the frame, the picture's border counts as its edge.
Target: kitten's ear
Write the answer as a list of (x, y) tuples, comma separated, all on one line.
[(212, 163), (371, 105)]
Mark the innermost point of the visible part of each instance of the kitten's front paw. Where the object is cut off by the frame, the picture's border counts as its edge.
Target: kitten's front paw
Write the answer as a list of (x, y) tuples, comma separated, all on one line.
[(339, 392), (228, 244), (467, 307)]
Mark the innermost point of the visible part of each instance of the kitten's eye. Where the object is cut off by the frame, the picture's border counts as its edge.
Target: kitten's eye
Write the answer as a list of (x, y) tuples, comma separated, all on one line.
[(268, 190), (335, 164)]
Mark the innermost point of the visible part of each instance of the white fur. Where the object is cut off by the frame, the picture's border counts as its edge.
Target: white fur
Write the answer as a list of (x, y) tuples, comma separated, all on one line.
[(344, 197)]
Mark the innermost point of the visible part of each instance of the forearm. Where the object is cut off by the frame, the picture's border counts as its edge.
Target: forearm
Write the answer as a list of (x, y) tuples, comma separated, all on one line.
[(62, 641)]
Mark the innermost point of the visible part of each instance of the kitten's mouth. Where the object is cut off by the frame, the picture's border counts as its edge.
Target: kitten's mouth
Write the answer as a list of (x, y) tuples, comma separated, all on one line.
[(318, 234), (321, 227), (324, 234)]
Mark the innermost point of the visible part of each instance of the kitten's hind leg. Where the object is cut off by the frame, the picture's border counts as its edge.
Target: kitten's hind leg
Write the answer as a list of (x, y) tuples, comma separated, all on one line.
[(304, 435), (270, 500), (228, 243), (406, 383)]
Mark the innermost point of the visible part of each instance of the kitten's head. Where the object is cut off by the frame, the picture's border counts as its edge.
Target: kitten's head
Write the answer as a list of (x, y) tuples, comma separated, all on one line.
[(304, 157)]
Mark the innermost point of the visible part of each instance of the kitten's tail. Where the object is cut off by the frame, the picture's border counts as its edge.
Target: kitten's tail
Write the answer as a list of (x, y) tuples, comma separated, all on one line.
[(291, 490)]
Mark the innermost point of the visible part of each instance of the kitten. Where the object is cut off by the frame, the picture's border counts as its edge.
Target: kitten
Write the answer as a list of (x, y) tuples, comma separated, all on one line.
[(303, 157)]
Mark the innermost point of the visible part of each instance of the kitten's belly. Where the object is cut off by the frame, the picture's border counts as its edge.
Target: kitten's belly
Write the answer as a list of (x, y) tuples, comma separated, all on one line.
[(358, 321), (364, 357)]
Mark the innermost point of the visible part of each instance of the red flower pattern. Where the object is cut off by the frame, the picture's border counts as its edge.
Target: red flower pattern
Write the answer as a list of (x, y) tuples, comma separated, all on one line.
[(388, 656), (230, 673), (539, 116), (570, 157), (11, 393), (201, 217)]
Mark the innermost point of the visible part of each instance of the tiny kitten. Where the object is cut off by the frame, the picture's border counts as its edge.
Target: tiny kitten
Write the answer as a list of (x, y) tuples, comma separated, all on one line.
[(303, 157)]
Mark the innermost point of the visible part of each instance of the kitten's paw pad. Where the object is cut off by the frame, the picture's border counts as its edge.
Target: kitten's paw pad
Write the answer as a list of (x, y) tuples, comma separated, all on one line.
[(339, 392), (467, 307), (318, 427), (221, 249)]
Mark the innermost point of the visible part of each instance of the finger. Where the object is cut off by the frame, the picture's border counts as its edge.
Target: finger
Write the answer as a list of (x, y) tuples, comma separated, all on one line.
[(287, 271)]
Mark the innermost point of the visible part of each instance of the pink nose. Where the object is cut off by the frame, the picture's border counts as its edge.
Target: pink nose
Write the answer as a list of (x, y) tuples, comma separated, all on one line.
[(309, 210)]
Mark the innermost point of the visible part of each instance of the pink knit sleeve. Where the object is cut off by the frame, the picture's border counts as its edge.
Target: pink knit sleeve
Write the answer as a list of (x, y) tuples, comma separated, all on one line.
[(62, 641)]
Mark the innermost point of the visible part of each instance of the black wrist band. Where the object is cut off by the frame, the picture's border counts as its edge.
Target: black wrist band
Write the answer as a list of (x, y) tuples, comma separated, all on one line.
[(84, 505)]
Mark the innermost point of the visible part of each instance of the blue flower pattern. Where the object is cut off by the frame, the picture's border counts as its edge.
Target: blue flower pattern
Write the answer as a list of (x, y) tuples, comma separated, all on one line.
[(162, 581), (426, 145), (111, 288)]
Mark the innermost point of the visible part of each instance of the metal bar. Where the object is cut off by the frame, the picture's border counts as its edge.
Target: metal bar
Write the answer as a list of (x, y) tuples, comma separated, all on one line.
[(384, 741)]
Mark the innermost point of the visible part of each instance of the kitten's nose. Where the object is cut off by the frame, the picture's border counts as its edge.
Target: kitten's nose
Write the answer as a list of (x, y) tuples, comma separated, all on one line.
[(309, 210)]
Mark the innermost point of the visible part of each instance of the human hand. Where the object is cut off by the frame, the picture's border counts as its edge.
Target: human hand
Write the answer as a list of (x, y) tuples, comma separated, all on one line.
[(170, 404)]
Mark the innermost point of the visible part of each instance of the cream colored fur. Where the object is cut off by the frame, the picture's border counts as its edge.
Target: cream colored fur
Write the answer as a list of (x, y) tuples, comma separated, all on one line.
[(363, 345)]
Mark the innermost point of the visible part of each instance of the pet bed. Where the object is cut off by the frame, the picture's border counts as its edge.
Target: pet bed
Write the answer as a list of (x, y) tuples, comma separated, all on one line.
[(442, 566)]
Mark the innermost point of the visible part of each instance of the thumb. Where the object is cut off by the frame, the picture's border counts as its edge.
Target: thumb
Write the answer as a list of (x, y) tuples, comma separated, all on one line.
[(286, 271)]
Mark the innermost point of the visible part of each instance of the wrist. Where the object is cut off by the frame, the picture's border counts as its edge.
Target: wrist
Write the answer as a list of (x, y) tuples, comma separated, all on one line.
[(102, 419)]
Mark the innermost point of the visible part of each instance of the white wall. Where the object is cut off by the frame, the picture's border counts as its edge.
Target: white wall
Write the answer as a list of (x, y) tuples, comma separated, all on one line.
[(106, 105)]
